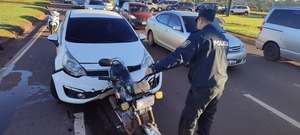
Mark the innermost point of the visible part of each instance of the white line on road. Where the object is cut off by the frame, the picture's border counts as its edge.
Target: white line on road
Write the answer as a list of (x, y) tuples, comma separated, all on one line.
[(20, 54), (278, 113), (79, 127), (297, 85)]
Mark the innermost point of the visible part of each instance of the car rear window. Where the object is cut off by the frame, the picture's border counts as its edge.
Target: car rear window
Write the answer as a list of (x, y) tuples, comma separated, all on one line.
[(191, 24), (279, 17), (99, 30)]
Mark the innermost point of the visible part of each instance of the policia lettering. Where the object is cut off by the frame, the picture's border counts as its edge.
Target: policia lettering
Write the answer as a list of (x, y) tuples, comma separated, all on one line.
[(220, 43)]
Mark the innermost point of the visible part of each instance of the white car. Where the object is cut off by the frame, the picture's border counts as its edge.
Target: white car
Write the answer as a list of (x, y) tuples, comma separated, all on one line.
[(94, 4), (170, 29), (85, 37), (240, 9)]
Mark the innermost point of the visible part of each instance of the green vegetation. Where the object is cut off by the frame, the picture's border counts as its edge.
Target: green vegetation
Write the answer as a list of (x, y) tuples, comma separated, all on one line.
[(14, 17), (35, 2), (243, 25)]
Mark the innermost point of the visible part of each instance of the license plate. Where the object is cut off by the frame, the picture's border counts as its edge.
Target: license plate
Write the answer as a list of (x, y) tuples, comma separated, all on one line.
[(144, 23), (231, 61)]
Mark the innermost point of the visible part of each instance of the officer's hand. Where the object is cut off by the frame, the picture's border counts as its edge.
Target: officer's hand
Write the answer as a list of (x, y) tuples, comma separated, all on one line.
[(148, 71)]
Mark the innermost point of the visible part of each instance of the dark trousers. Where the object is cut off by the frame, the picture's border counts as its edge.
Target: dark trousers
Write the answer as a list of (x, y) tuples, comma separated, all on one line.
[(200, 106)]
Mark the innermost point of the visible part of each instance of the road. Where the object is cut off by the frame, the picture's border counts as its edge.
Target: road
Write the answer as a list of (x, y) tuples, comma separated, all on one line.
[(260, 97)]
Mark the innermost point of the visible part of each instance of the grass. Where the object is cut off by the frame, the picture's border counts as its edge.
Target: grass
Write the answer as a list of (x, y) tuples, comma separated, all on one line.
[(35, 2), (243, 25), (14, 17)]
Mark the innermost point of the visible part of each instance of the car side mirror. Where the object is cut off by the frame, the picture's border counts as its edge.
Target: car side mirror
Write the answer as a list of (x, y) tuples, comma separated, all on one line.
[(142, 36), (54, 39), (105, 62), (177, 28)]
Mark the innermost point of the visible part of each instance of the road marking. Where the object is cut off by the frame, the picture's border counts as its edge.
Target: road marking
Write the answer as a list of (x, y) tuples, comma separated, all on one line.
[(297, 85), (20, 54), (79, 127), (278, 113)]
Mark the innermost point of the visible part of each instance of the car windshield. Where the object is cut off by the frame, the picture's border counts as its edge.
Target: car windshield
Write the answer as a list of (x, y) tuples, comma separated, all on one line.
[(138, 8), (99, 30), (191, 24), (233, 7), (96, 2)]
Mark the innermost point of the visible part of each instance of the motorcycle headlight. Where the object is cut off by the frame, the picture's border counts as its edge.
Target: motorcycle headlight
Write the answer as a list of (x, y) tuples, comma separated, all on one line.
[(132, 17), (90, 8), (72, 67)]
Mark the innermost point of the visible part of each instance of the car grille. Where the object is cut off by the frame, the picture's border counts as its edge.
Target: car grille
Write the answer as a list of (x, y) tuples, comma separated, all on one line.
[(234, 49), (105, 72), (142, 19)]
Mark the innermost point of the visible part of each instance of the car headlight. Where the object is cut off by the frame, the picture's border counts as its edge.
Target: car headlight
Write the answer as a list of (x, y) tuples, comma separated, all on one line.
[(147, 61), (71, 66), (90, 8), (132, 17)]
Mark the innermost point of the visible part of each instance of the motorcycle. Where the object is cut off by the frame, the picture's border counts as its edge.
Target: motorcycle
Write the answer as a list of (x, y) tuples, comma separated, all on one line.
[(53, 21), (132, 101)]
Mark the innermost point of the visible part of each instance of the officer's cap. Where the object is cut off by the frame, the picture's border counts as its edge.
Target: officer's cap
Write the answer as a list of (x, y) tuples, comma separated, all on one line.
[(209, 14)]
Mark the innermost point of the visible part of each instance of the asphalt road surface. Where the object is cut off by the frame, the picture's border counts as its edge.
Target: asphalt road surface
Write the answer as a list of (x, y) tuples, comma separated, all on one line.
[(261, 97)]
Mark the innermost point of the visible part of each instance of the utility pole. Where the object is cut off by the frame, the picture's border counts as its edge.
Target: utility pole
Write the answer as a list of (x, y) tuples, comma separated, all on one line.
[(229, 7), (290, 3)]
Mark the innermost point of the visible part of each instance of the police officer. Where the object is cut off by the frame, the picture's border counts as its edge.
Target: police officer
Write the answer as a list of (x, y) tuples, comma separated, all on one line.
[(205, 50)]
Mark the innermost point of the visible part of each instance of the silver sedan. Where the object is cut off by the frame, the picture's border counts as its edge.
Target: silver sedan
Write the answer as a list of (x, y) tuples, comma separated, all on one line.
[(170, 29)]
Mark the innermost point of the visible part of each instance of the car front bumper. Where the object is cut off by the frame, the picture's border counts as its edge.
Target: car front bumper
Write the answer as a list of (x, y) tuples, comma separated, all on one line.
[(138, 22), (237, 58), (86, 88)]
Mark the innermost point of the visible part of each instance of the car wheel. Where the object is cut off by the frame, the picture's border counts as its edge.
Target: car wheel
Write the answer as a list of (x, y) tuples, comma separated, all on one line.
[(246, 13), (189, 10), (152, 10), (150, 38), (53, 89), (271, 51), (159, 9)]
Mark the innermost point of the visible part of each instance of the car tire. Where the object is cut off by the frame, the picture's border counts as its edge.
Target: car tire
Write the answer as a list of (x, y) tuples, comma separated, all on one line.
[(189, 10), (53, 89), (246, 13), (150, 37), (271, 51), (159, 9), (152, 10)]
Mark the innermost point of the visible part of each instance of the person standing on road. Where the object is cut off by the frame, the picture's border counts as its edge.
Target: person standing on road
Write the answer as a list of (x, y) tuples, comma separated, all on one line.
[(205, 50)]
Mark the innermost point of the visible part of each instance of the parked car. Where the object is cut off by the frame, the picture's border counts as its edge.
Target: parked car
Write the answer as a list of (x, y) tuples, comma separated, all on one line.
[(108, 5), (118, 5), (136, 13), (77, 3), (207, 5), (185, 6), (279, 34), (152, 6), (170, 29), (240, 9), (162, 5), (94, 4), (85, 37)]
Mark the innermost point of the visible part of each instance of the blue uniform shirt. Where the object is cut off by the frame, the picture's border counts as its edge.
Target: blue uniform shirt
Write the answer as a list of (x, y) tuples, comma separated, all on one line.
[(206, 52)]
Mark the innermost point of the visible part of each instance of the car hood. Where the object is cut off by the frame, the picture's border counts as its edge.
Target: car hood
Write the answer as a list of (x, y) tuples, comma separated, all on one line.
[(142, 15), (233, 41), (130, 53)]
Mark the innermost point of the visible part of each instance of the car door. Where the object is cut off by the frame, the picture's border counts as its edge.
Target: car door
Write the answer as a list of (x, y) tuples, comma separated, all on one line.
[(173, 37), (160, 29), (291, 36)]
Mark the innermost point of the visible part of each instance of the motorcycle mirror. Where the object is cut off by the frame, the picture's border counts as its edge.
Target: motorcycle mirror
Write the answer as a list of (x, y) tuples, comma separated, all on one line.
[(105, 62), (159, 95)]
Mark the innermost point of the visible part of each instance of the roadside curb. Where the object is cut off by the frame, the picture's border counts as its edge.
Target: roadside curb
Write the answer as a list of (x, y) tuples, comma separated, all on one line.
[(242, 37)]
